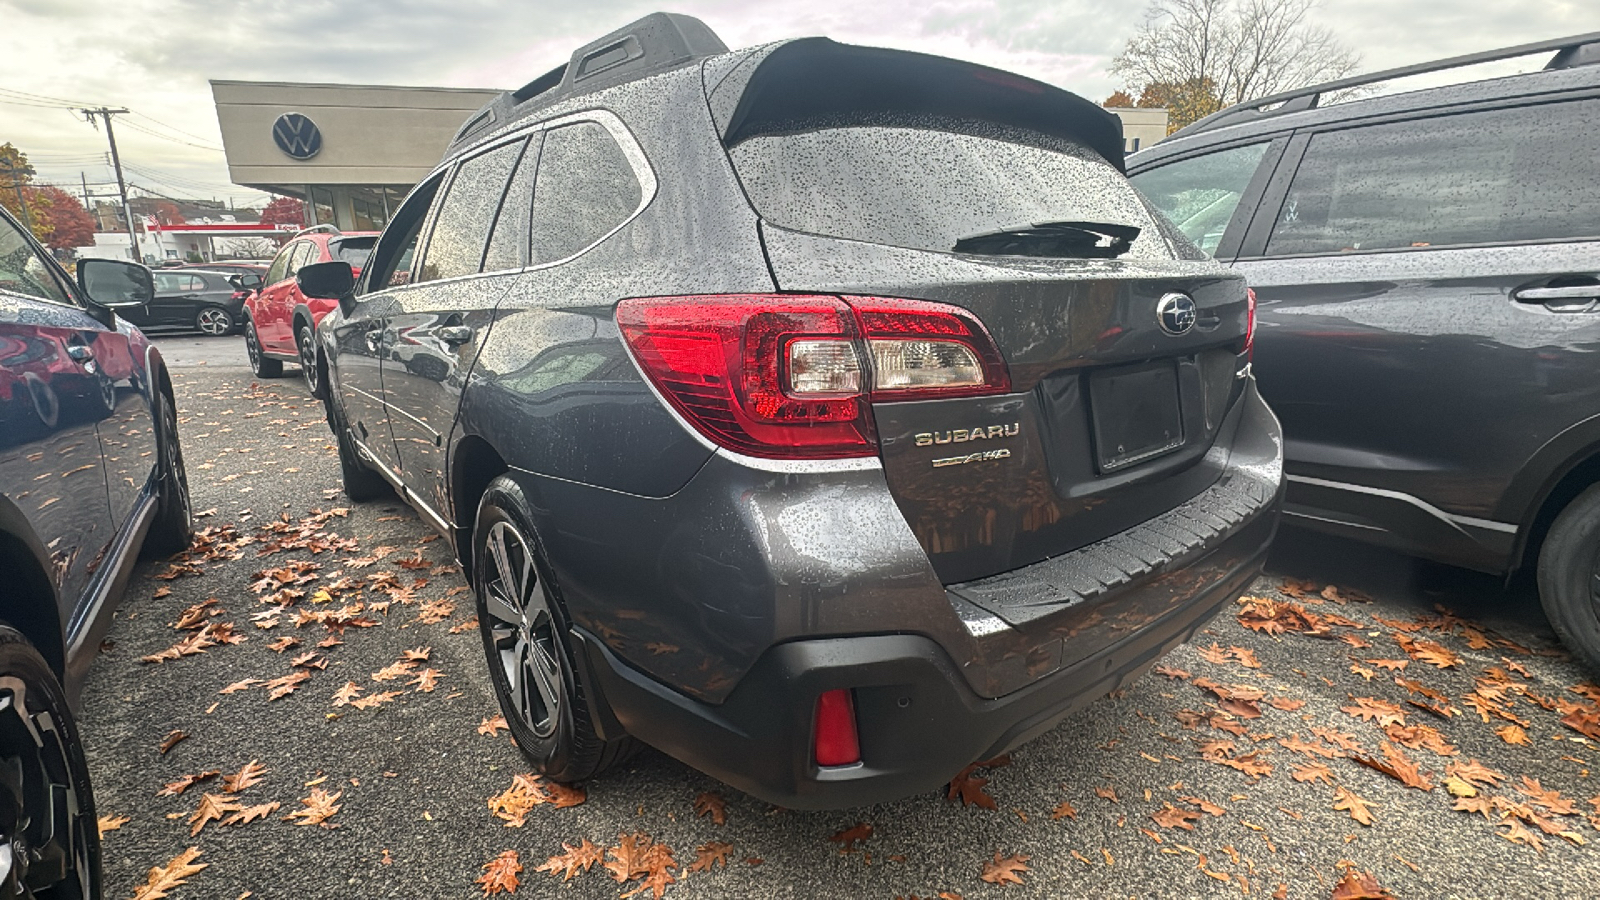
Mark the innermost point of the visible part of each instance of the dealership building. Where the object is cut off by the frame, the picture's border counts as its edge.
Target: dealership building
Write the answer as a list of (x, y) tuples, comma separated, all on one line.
[(352, 152)]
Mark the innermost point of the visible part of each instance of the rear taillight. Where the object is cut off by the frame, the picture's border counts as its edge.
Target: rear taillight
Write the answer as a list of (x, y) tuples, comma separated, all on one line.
[(790, 376), (836, 742), (1250, 322)]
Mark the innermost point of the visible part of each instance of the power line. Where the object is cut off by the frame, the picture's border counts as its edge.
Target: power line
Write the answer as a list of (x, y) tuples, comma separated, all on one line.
[(172, 127), (156, 134)]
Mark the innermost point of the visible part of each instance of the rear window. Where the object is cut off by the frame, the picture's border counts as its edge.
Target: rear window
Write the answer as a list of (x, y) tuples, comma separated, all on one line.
[(927, 187), (353, 250)]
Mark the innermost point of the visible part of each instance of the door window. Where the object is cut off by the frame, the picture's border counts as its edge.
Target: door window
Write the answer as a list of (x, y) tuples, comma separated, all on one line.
[(1199, 194), (23, 270), (392, 257), (585, 188), (280, 264), (1493, 177), (168, 283), (456, 245), (508, 246)]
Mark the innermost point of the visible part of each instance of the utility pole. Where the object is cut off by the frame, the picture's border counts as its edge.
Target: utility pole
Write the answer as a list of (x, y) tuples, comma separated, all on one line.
[(85, 179), (116, 163), (16, 175)]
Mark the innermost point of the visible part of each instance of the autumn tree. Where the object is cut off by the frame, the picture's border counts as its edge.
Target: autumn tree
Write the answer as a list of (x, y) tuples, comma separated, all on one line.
[(15, 176), (1118, 100), (1205, 55), (166, 212), (284, 211), (66, 222)]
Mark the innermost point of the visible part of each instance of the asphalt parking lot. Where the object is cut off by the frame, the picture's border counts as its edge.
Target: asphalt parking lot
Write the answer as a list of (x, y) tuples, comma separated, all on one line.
[(1232, 774)]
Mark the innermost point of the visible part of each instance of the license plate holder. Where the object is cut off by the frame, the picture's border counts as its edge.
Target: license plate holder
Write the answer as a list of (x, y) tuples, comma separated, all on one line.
[(1136, 414)]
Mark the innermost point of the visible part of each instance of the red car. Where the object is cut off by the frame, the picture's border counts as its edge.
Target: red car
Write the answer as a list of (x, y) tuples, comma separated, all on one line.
[(280, 321)]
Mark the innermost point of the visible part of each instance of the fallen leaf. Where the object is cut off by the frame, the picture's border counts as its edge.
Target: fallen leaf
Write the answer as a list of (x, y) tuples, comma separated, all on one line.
[(500, 874), (1345, 800), (320, 806), (711, 804), (171, 740), (244, 685), (1359, 886), (710, 855), (514, 803), (111, 823), (283, 687), (1371, 709), (1313, 771), (1064, 810), (1005, 869), (1513, 734), (574, 860), (969, 788), (563, 796), (851, 839), (346, 694), (212, 808), (1171, 816), (251, 813), (492, 725), (174, 788), (175, 873)]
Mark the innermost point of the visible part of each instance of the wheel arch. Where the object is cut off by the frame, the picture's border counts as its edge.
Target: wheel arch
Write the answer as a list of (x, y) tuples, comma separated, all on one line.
[(1552, 478), (474, 463), (28, 598)]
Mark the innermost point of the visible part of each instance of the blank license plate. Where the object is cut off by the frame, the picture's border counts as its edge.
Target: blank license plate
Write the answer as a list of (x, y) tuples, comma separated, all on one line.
[(1136, 414)]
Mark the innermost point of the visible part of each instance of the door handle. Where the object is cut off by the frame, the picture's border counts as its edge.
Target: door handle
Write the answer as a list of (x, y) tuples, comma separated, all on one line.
[(1568, 298), (455, 334)]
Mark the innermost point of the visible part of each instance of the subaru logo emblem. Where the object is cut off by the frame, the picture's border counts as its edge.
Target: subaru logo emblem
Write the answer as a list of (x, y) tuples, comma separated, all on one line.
[(297, 136), (1176, 313)]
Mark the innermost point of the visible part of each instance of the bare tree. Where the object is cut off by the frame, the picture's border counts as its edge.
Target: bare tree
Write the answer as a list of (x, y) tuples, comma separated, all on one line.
[(249, 248), (1203, 55)]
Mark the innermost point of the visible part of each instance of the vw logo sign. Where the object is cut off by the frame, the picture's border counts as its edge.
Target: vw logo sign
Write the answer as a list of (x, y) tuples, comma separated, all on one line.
[(297, 136), (1176, 313)]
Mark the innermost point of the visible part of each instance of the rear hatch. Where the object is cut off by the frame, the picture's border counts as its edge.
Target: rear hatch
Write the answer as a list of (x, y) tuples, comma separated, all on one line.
[(887, 174)]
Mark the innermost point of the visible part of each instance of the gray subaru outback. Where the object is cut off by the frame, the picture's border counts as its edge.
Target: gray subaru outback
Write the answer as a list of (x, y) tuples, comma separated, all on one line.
[(826, 417)]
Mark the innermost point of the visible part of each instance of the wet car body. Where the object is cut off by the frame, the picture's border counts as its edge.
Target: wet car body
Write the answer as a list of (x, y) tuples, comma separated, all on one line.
[(278, 315), (977, 566)]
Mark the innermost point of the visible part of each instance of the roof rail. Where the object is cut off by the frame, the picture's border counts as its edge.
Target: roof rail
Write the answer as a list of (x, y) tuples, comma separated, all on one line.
[(654, 44), (324, 228), (1569, 52)]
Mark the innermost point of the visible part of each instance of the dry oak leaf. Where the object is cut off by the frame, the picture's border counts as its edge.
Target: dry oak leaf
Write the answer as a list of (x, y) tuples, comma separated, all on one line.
[(1314, 771), (175, 873), (426, 680), (346, 694), (711, 804), (515, 802), (1170, 672), (212, 808), (565, 795), (1246, 657), (1171, 816), (244, 685), (1295, 743), (658, 860), (397, 669), (492, 725), (1513, 734), (1005, 869), (372, 700), (1371, 709), (279, 688), (1286, 704), (1064, 810), (1214, 653), (1549, 799), (1474, 804), (1338, 739), (576, 859), (1517, 833), (251, 774), (184, 782), (500, 874), (1359, 886), (1109, 792), (1207, 807), (710, 855), (1346, 800), (851, 839), (319, 808), (171, 740), (969, 788), (1396, 765), (111, 823), (251, 813)]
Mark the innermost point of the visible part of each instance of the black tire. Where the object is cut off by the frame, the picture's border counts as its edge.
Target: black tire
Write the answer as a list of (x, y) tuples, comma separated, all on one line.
[(172, 531), (259, 363), (361, 482), (213, 320), (54, 847), (526, 635), (1569, 576), (305, 341)]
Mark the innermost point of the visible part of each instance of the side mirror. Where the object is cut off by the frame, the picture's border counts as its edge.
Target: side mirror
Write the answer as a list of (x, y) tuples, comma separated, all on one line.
[(328, 281), (115, 284), (246, 281)]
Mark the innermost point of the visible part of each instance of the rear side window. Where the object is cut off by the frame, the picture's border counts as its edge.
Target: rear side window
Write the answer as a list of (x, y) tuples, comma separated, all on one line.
[(280, 264), (1492, 177), (928, 187), (353, 250), (508, 246), (1199, 194), (461, 229), (585, 189)]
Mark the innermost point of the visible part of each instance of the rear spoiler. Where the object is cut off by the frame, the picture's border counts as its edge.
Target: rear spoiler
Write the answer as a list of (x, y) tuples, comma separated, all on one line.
[(812, 81)]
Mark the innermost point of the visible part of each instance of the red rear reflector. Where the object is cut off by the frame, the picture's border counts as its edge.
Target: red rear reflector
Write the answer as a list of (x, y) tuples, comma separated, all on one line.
[(837, 742), (1250, 324)]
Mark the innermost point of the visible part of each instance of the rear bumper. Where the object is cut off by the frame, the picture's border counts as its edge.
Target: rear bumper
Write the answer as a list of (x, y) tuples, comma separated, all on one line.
[(920, 721)]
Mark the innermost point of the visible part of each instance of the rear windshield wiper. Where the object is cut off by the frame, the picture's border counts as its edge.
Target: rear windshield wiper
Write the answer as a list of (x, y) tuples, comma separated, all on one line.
[(1078, 240)]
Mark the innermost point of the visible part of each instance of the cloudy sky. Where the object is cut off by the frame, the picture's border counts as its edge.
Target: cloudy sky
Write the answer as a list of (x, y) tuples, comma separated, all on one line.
[(155, 56)]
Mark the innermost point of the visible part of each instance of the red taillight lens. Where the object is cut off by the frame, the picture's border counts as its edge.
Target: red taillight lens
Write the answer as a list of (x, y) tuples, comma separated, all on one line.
[(1250, 324), (837, 743), (788, 376)]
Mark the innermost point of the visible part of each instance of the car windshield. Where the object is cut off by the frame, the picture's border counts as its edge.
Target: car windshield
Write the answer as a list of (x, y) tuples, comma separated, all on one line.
[(353, 250), (928, 187)]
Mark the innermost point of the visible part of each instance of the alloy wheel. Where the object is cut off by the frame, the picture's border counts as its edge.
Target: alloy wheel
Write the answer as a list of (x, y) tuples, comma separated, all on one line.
[(214, 321), (43, 828), (252, 345), (522, 630), (308, 358), (175, 480)]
